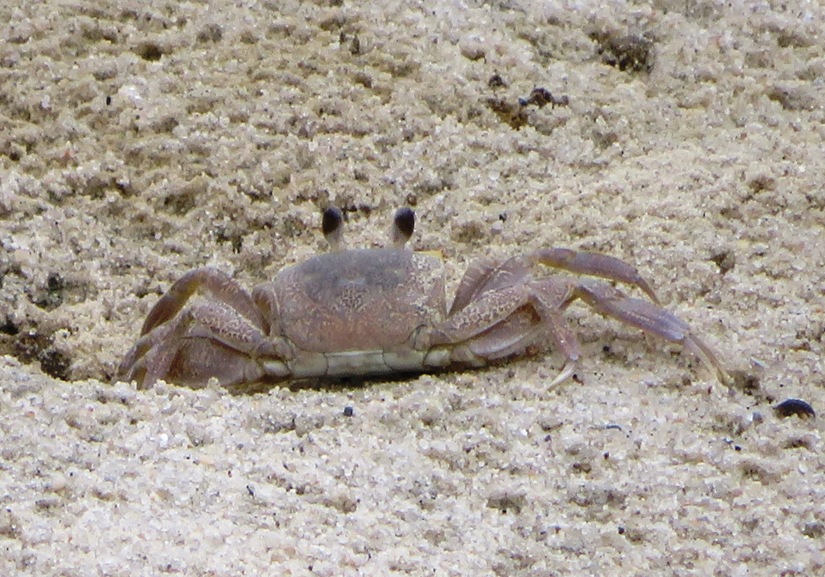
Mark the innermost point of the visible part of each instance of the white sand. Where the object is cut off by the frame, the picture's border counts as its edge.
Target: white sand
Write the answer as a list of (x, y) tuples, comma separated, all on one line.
[(230, 125)]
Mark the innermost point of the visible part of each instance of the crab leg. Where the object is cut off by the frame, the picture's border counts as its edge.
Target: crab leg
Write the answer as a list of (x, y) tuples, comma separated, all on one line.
[(498, 322), (502, 321), (484, 275), (226, 337), (490, 274), (217, 284), (218, 342), (649, 317), (481, 314), (545, 299), (593, 264)]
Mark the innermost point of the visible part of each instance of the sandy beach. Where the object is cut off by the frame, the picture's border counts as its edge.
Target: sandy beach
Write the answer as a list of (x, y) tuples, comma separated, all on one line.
[(139, 140)]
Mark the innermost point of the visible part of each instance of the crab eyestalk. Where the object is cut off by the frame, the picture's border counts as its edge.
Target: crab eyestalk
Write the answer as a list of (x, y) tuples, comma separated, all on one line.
[(332, 225), (403, 225)]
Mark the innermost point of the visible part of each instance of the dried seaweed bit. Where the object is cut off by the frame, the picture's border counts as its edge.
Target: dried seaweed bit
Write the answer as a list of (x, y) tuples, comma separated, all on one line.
[(496, 81), (150, 51), (33, 346), (234, 238), (724, 259), (508, 112), (746, 382), (541, 97), (355, 47), (8, 327), (210, 33), (507, 501), (55, 282), (630, 53), (791, 407), (52, 295), (514, 113), (814, 530)]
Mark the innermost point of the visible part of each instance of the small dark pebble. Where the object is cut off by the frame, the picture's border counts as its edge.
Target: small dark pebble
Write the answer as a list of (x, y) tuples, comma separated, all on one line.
[(791, 407), (496, 81), (541, 96), (348, 411)]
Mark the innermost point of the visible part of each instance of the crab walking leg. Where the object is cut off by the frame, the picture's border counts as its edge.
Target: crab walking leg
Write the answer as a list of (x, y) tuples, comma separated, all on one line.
[(210, 334), (133, 366), (546, 301), (593, 264), (647, 316), (491, 274), (481, 275), (502, 322), (547, 298), (483, 313), (217, 284), (493, 324)]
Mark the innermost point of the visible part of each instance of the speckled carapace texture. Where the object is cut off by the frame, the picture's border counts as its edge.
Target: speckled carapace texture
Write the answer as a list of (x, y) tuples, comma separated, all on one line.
[(140, 139)]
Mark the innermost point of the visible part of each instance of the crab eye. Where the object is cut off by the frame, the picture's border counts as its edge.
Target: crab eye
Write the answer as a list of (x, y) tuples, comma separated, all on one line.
[(331, 226), (333, 217), (402, 226)]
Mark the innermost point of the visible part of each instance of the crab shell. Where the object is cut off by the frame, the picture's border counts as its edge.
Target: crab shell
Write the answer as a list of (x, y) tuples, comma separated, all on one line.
[(358, 312)]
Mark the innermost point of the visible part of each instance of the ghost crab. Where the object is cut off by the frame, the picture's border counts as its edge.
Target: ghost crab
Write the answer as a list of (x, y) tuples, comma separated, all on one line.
[(378, 311)]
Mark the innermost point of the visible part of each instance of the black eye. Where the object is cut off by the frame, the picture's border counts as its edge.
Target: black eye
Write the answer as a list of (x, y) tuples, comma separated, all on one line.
[(333, 217), (405, 221)]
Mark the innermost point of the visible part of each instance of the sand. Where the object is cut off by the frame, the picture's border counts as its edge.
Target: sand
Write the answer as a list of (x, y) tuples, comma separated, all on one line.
[(139, 140)]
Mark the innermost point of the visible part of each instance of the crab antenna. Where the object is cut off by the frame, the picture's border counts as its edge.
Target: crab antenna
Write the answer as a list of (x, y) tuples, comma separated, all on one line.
[(332, 225), (403, 225)]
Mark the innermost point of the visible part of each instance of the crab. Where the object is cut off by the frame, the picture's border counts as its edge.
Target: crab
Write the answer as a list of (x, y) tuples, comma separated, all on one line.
[(381, 311)]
